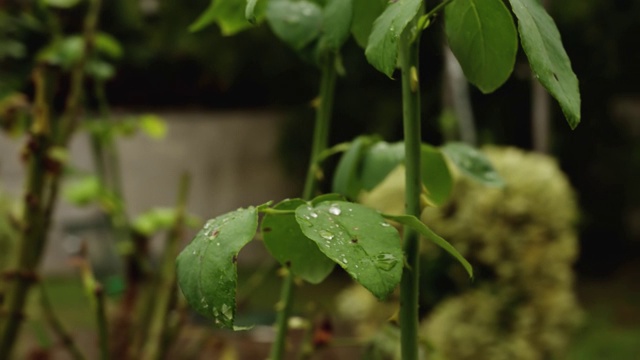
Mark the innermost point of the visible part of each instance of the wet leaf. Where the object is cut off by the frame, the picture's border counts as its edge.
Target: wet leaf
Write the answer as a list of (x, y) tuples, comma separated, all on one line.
[(414, 223), (472, 163), (286, 242), (549, 61), (358, 239), (206, 268), (382, 47)]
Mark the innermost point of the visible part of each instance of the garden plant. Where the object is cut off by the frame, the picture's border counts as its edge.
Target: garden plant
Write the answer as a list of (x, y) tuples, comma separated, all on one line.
[(140, 328), (308, 236)]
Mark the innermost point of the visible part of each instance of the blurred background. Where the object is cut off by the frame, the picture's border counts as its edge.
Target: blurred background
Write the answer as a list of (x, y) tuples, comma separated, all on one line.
[(238, 117)]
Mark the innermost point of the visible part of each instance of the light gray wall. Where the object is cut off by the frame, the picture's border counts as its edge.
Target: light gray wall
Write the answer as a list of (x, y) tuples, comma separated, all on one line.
[(231, 157)]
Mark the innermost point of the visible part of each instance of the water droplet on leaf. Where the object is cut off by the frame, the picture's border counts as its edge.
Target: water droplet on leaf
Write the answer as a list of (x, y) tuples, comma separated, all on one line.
[(326, 235), (335, 210)]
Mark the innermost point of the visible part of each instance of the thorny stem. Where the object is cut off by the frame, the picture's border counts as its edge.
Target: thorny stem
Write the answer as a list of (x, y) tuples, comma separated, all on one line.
[(320, 141), (409, 285), (43, 179)]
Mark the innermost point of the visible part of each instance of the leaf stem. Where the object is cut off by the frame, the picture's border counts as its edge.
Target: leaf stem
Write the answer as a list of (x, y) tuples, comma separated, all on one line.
[(409, 285), (320, 141), (438, 7)]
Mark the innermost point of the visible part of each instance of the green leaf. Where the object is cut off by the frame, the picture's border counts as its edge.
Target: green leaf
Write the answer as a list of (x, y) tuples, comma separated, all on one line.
[(206, 268), (286, 242), (472, 163), (365, 12), (228, 14), (549, 61), (153, 126), (84, 191), (435, 175), (336, 24), (358, 239), (414, 223), (63, 4), (346, 180), (483, 38), (379, 160), (382, 48), (250, 11), (108, 45), (99, 69), (327, 197), (157, 219), (297, 23)]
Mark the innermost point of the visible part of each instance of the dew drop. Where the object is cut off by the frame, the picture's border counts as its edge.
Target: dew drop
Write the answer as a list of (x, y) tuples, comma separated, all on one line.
[(385, 261), (326, 235), (335, 210), (385, 224), (313, 215)]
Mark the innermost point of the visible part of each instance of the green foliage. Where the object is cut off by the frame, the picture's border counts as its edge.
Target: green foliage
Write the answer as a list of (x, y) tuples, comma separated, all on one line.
[(414, 223), (365, 12), (358, 239), (483, 38), (549, 61), (158, 219), (206, 268), (382, 47), (524, 236), (472, 163), (336, 24), (369, 161), (306, 237), (297, 23), (435, 175), (288, 244), (228, 14), (64, 4)]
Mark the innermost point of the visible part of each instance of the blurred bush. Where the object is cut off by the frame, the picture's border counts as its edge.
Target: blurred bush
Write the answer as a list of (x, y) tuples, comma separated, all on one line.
[(523, 241)]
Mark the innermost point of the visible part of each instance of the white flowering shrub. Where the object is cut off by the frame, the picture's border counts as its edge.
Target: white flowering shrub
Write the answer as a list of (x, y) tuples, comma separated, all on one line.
[(523, 306)]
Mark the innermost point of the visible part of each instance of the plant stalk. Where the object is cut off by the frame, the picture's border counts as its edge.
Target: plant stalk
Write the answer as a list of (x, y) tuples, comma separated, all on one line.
[(43, 179), (409, 284), (320, 142), (165, 294), (64, 336)]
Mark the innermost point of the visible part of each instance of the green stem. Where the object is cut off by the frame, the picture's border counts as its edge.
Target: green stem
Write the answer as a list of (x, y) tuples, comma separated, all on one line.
[(320, 141), (43, 180), (409, 286), (103, 326), (321, 130), (63, 335), (165, 295)]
